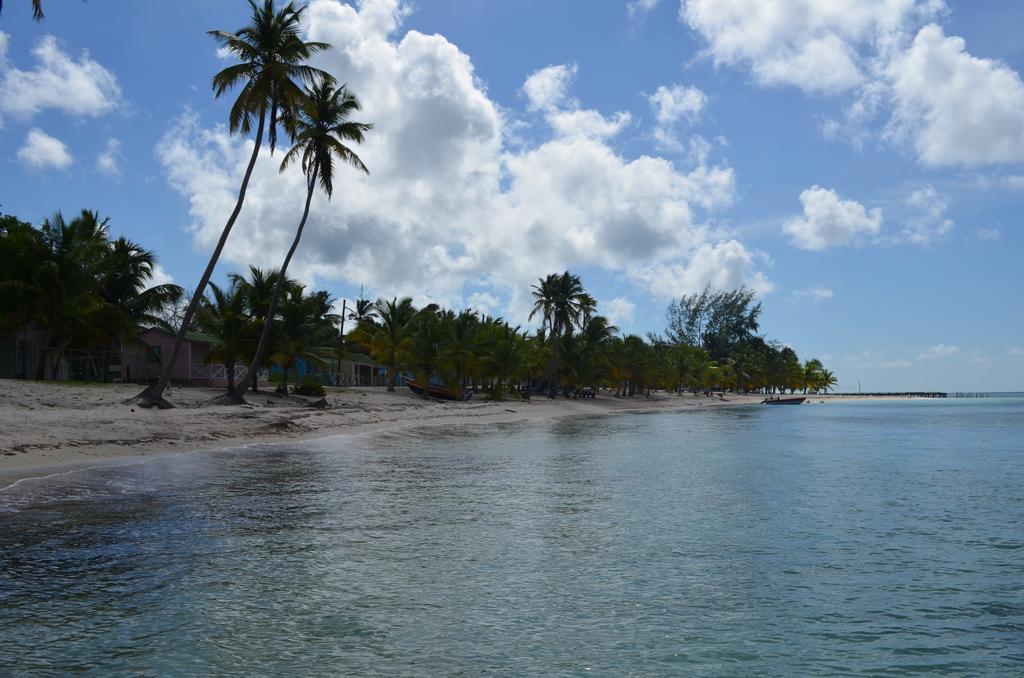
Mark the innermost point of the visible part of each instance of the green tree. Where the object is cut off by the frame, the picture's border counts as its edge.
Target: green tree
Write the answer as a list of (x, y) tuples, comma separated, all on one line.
[(128, 303), (363, 312), (320, 131), (828, 380), (257, 290), (717, 321), (426, 354), (272, 56), (812, 375), (64, 283), (503, 356), (305, 330), (563, 304), (595, 340), (74, 287), (389, 339), (224, 315), (463, 333), (21, 250)]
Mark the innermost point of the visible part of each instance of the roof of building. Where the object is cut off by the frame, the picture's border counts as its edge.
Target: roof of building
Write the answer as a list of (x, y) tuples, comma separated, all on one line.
[(202, 337), (198, 337), (360, 359)]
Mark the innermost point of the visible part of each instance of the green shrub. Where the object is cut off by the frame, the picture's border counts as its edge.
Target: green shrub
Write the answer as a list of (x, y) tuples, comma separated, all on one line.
[(309, 386)]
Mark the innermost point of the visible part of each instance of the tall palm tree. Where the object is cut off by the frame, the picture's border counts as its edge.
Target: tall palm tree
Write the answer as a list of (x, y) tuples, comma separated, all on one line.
[(223, 314), (64, 283), (128, 268), (389, 340), (828, 380), (596, 335), (321, 128), (272, 56), (563, 305), (363, 312), (427, 355), (257, 290), (129, 303), (307, 329), (812, 375), (464, 330), (503, 355)]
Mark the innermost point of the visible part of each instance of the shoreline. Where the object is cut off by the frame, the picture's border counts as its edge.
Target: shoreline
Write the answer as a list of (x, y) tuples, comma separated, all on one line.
[(57, 428)]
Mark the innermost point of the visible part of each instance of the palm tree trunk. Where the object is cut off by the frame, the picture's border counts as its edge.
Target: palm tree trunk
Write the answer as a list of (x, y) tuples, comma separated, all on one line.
[(229, 367), (153, 395), (553, 367), (237, 395)]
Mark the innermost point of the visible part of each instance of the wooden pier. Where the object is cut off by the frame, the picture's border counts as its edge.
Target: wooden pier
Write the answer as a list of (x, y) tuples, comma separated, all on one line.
[(898, 394)]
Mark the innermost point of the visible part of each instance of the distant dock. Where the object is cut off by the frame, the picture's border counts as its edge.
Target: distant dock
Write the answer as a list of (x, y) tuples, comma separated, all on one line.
[(919, 394), (898, 394)]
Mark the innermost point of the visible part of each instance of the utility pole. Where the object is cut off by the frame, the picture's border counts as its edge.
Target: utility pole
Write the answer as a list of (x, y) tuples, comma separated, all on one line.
[(344, 303)]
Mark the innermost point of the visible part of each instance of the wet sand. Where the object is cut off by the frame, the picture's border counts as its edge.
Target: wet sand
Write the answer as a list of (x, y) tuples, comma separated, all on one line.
[(55, 427)]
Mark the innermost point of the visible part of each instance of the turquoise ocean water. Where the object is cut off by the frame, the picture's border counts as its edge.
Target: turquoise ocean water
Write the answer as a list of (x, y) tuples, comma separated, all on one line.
[(862, 538)]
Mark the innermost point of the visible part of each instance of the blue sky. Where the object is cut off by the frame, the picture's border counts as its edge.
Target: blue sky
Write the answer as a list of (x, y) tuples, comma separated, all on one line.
[(859, 162)]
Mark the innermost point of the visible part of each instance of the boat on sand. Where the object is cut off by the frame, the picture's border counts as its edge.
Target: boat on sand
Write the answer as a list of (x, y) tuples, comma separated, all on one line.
[(435, 391)]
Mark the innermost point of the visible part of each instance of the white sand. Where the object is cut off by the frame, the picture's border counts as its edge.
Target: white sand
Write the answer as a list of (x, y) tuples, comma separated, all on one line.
[(49, 428)]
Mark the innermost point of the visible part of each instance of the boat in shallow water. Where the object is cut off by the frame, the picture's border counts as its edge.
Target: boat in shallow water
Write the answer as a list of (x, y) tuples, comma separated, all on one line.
[(784, 401)]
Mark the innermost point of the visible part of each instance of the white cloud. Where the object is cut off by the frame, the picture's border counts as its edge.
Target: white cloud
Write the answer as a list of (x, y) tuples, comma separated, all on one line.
[(676, 102), (449, 204), (938, 351), (725, 265), (1017, 352), (109, 160), (639, 8), (79, 87), (1014, 181), (620, 311), (816, 46), (872, 360), (547, 88), (988, 234), (160, 276), (955, 108), (672, 104), (588, 124), (927, 221), (547, 91), (814, 293), (41, 151), (830, 221), (484, 302), (951, 107)]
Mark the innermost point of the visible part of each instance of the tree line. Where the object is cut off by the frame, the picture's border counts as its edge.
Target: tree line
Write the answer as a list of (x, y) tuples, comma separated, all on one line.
[(75, 286), (710, 344)]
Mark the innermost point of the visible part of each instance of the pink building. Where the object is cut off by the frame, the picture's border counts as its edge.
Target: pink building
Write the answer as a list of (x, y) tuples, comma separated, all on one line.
[(191, 367)]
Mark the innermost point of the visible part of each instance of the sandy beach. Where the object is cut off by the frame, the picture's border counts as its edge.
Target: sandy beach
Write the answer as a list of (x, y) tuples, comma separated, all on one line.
[(55, 427)]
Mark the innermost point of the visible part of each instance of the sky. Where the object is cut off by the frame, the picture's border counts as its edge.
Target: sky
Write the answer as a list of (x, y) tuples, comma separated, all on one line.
[(860, 163)]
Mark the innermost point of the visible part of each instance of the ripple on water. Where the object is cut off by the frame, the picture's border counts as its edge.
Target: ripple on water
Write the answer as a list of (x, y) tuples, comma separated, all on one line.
[(876, 540)]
